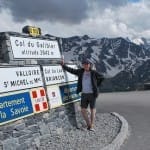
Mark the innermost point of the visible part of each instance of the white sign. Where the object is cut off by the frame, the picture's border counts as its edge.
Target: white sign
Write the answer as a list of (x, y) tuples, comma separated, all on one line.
[(18, 78), (54, 96), (34, 48), (56, 75)]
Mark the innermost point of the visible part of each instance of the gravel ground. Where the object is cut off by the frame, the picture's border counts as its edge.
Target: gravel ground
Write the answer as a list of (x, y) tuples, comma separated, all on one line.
[(107, 127)]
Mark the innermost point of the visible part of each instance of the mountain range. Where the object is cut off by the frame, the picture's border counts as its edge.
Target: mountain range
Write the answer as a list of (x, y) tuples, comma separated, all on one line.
[(124, 63)]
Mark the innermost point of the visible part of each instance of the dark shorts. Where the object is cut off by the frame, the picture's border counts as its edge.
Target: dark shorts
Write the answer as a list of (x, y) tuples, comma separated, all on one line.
[(88, 99)]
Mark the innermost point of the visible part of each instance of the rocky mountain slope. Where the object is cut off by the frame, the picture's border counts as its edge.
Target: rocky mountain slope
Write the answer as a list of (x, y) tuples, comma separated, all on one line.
[(125, 62)]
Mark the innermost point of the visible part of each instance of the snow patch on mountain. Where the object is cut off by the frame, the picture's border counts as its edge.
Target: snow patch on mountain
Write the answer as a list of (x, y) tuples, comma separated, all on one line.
[(112, 71), (96, 52), (138, 41)]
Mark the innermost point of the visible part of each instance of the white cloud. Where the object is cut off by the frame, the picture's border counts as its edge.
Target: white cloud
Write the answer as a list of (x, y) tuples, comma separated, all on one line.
[(7, 23), (130, 19), (135, 16)]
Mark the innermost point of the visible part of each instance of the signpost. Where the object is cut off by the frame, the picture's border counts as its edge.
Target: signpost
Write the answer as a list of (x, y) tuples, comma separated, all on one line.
[(22, 90), (29, 48)]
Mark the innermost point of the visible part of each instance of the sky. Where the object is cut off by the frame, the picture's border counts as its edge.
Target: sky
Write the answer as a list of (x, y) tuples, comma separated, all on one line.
[(66, 18)]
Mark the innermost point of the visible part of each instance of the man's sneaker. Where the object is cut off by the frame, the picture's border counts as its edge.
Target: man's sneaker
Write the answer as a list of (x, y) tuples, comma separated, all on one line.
[(92, 129)]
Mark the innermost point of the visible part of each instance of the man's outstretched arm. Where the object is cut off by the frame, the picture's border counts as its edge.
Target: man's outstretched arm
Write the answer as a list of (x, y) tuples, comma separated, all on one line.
[(69, 69)]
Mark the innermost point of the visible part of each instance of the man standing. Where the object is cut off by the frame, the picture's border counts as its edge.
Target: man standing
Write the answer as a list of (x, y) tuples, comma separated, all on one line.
[(88, 82)]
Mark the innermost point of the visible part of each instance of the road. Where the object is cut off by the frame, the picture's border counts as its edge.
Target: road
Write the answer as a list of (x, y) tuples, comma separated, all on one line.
[(135, 108)]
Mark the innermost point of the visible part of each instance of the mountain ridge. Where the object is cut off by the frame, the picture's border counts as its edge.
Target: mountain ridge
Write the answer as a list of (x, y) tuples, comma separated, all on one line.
[(111, 56), (120, 60)]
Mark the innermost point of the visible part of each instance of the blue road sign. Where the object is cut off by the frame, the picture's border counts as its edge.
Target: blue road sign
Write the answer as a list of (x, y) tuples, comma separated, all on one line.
[(16, 106), (68, 93)]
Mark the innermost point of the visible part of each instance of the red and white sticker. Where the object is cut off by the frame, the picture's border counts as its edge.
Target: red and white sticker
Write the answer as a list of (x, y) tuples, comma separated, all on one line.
[(39, 100)]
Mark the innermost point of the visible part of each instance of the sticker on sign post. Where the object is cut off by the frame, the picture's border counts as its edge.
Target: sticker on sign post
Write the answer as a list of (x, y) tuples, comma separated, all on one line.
[(54, 96), (39, 100), (15, 106)]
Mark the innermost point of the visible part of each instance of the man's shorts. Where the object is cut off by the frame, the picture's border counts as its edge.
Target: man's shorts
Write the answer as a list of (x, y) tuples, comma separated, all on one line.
[(88, 99)]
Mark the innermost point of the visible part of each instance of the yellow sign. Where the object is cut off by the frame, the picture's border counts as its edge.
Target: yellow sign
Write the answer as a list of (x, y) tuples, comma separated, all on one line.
[(33, 31)]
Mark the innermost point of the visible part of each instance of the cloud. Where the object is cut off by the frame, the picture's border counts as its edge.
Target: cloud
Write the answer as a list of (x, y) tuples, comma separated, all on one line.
[(135, 16), (101, 4), (69, 11), (7, 23), (64, 11), (96, 18)]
